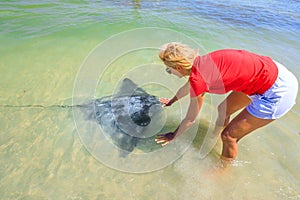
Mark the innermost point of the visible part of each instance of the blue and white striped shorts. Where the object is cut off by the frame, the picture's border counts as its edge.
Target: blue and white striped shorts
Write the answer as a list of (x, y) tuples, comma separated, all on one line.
[(278, 99)]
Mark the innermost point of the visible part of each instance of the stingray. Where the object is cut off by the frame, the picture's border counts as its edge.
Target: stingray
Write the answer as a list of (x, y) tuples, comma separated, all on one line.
[(128, 117)]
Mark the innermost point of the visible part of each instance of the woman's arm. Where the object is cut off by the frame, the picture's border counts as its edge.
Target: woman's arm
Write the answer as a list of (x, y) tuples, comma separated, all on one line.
[(194, 109), (182, 92)]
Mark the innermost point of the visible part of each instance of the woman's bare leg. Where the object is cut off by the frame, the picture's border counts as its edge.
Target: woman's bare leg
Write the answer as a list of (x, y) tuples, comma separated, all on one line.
[(234, 102), (243, 124)]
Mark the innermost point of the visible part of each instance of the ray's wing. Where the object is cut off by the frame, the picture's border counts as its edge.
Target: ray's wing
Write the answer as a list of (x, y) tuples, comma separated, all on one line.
[(129, 88)]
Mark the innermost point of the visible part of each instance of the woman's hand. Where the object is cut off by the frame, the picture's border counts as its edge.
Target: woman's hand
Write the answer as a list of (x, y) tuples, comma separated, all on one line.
[(165, 101), (165, 138)]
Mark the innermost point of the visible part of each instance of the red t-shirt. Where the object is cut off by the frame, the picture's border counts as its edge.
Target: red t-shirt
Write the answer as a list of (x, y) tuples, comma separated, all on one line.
[(238, 70)]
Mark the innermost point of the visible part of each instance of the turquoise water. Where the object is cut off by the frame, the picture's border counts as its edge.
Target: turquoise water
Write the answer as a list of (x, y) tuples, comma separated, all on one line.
[(43, 46)]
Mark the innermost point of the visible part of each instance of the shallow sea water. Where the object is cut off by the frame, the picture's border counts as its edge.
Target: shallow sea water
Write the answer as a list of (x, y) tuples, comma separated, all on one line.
[(43, 46)]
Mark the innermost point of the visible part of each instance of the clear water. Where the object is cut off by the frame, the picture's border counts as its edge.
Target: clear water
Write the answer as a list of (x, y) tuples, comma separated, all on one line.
[(43, 45)]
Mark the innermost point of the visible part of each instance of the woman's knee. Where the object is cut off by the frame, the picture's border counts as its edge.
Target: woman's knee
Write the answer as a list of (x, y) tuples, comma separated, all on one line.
[(227, 137)]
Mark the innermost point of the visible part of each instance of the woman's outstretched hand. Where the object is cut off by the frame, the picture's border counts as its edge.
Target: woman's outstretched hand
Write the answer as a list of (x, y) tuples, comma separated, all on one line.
[(165, 101), (165, 139)]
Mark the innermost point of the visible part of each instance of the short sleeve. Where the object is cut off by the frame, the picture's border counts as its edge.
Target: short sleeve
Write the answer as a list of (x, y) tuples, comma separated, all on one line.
[(197, 84)]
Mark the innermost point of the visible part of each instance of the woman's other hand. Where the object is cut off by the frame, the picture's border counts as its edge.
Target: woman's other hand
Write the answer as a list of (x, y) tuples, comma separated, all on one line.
[(165, 139)]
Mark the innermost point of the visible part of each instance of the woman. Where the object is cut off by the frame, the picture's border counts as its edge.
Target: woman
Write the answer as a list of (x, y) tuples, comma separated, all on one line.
[(262, 87)]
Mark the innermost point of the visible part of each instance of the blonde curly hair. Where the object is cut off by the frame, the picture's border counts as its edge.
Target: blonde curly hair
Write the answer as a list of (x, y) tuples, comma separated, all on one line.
[(175, 53)]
